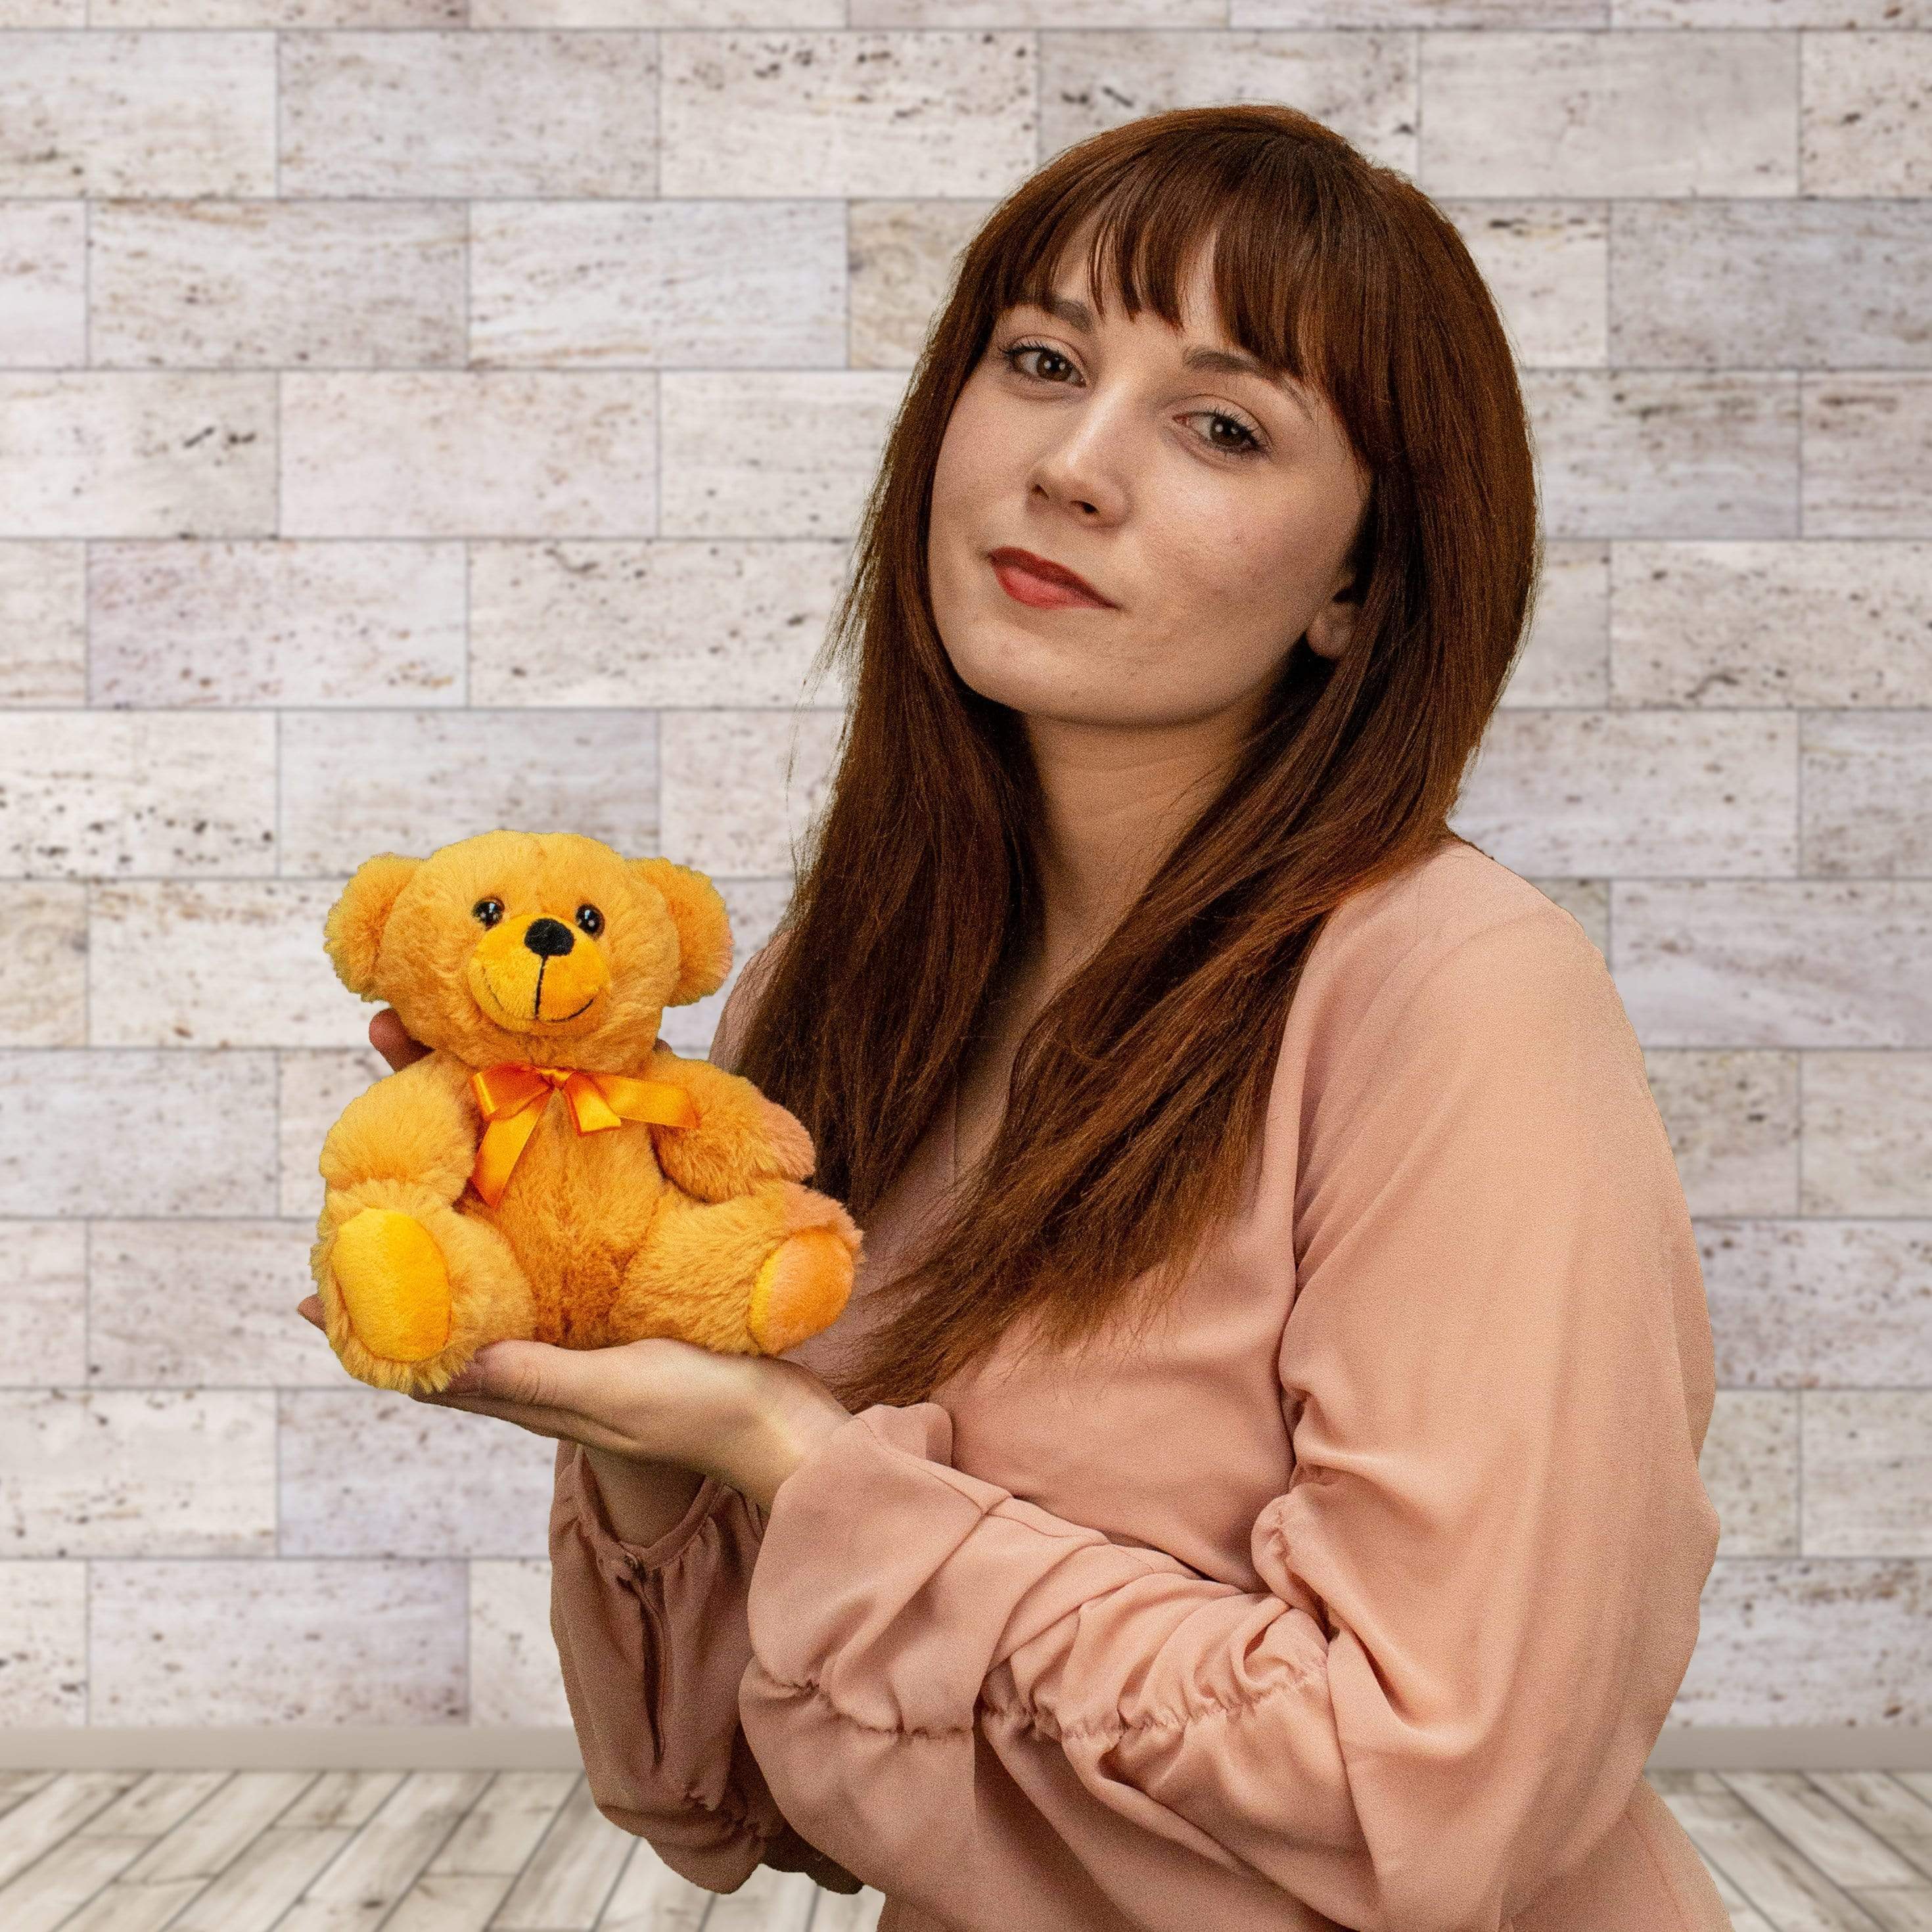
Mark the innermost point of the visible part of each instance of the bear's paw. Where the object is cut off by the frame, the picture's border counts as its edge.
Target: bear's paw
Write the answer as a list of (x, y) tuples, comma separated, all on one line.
[(395, 1284), (800, 1288)]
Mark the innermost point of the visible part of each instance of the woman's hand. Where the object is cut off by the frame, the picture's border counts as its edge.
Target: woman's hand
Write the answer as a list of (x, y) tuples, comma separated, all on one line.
[(390, 1039), (748, 1420)]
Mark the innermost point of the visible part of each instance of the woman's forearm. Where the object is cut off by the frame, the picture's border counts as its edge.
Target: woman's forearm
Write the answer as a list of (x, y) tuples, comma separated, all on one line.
[(643, 1500)]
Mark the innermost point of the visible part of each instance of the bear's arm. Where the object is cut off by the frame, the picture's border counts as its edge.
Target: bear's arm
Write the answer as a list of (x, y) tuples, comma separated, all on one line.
[(740, 1138), (420, 1123)]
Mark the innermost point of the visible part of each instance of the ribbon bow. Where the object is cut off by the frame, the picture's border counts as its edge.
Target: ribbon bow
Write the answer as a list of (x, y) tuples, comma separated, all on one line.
[(513, 1097)]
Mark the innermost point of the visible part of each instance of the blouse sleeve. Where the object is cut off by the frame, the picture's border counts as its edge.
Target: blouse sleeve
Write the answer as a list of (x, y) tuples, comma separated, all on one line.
[(651, 1641), (1482, 1576)]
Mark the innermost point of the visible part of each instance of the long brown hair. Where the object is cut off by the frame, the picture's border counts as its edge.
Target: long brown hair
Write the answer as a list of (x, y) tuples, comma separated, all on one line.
[(1137, 1091)]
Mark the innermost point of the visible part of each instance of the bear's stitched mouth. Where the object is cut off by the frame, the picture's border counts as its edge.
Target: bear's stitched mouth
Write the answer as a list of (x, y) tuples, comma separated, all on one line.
[(552, 1019)]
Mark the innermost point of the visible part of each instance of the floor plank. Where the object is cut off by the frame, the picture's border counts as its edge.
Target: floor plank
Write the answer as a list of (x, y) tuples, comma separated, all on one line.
[(505, 1825), (257, 1888), (134, 1908), (222, 1826), (649, 1896), (1773, 1875), (1892, 1810), (350, 1798), (1909, 1910), (768, 1901), (482, 1851), (158, 1803), (56, 1886), (69, 1874), (848, 1911), (570, 1873), (450, 1902), (1845, 1849), (16, 1785), (367, 1880), (60, 1807)]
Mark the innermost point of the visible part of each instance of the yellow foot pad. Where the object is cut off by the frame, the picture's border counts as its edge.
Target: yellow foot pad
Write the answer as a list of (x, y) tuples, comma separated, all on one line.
[(393, 1284), (800, 1288)]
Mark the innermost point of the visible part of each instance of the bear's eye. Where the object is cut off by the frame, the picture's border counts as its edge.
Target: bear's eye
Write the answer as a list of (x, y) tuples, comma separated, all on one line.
[(488, 910), (591, 919)]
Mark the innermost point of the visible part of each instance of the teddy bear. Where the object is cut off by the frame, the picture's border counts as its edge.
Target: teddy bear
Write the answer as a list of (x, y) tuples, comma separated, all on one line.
[(551, 1170)]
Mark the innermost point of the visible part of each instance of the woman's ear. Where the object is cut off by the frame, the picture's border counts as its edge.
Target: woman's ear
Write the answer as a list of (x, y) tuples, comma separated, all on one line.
[(1332, 629), (353, 933), (703, 927)]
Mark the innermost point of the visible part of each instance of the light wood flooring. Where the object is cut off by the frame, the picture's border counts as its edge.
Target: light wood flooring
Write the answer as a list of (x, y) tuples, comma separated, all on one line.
[(511, 1851)]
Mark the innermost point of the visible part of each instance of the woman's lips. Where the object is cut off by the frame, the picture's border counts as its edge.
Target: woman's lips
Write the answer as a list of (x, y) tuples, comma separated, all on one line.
[(1026, 588)]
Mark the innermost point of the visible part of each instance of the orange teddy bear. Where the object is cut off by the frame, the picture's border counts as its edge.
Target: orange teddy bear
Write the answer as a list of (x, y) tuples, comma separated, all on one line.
[(552, 1170)]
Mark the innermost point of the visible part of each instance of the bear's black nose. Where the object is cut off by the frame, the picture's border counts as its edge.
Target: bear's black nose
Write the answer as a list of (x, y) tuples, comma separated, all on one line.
[(549, 938)]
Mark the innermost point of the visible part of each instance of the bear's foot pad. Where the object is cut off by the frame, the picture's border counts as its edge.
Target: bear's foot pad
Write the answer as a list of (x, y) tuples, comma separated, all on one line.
[(800, 1288), (395, 1284)]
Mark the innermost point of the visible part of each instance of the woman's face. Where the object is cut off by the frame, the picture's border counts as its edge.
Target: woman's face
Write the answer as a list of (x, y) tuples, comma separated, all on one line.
[(1210, 507)]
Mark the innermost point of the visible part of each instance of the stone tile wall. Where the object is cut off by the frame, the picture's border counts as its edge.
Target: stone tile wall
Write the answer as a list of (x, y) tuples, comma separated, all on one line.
[(416, 416)]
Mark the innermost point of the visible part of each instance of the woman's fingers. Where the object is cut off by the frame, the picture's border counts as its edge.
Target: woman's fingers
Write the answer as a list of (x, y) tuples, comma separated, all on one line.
[(559, 1424), (540, 1418), (390, 1039), (659, 1400)]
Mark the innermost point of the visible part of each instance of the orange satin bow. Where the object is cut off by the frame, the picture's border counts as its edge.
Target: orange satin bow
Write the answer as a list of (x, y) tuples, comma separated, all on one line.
[(513, 1097)]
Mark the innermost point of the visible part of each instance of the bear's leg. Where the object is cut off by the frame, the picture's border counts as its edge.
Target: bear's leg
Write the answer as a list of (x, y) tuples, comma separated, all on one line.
[(410, 1288), (755, 1275)]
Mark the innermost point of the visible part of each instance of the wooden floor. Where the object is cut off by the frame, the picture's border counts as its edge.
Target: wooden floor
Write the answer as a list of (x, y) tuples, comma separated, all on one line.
[(511, 1851)]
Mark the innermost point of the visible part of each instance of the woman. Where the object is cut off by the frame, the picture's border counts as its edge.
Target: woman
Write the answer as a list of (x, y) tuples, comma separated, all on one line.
[(1327, 1548)]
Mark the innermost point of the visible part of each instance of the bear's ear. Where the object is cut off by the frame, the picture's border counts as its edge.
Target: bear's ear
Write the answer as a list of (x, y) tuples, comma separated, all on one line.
[(353, 933), (703, 927)]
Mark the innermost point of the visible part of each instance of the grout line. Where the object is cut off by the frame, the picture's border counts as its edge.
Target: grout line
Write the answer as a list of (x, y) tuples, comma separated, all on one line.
[(1798, 117), (1797, 509), (1419, 54), (87, 1562), (469, 1564)]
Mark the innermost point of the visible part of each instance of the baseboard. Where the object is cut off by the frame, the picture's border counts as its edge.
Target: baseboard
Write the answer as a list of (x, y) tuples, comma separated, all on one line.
[(1792, 1748), (468, 1747)]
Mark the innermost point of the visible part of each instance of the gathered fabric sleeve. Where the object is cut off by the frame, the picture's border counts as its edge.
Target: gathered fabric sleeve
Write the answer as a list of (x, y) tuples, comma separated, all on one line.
[(1482, 1575), (651, 1641)]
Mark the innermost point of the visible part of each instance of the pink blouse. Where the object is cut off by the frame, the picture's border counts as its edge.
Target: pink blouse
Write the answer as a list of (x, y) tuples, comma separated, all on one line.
[(1356, 1597)]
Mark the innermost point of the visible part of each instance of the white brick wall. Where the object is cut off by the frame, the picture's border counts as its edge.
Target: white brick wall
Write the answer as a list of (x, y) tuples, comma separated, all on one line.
[(408, 426)]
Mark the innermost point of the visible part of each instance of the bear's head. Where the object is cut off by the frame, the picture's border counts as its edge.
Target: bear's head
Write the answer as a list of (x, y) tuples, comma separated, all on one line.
[(546, 948)]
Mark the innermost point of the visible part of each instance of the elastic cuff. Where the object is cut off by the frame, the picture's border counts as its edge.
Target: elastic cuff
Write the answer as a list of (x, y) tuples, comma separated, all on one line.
[(612, 1552)]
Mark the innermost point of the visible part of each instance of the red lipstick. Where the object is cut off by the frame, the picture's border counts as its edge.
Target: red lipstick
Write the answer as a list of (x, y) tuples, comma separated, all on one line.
[(1040, 581)]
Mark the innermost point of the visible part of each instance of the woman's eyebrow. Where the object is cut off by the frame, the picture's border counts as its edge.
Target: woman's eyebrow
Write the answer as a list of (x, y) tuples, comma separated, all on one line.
[(1075, 313)]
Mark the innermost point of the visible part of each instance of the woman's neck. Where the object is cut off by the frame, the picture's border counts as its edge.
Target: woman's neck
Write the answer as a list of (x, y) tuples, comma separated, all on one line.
[(1114, 802)]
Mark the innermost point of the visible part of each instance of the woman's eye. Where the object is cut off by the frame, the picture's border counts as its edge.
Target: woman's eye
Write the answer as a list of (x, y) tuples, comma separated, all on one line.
[(488, 910), (1251, 445), (1020, 349), (591, 919)]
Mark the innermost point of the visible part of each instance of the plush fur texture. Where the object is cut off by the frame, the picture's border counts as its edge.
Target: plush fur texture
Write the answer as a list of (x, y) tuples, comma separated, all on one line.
[(551, 950)]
